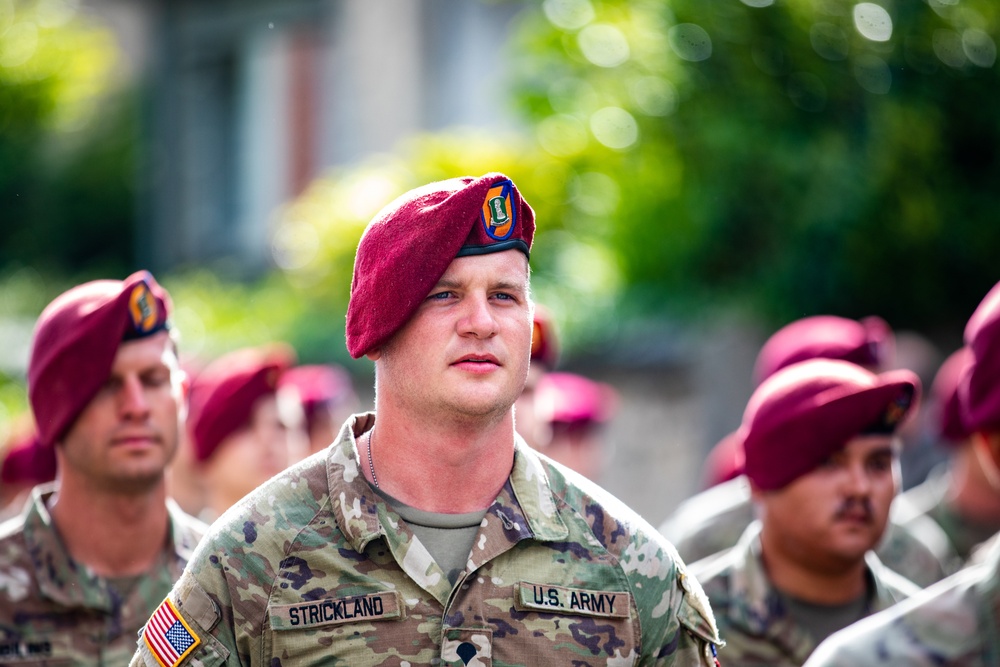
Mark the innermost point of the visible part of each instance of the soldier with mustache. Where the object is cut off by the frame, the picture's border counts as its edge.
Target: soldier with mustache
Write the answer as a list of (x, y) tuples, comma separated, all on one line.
[(822, 462)]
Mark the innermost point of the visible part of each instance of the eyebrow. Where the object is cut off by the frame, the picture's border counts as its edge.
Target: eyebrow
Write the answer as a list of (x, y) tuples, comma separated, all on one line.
[(502, 284)]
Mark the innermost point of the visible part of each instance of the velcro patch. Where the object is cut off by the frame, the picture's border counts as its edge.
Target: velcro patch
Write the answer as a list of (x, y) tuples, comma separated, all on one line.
[(383, 606), (168, 636), (558, 599)]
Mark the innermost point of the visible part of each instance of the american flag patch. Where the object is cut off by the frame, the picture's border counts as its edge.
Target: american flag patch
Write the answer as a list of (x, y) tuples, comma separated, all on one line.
[(168, 636)]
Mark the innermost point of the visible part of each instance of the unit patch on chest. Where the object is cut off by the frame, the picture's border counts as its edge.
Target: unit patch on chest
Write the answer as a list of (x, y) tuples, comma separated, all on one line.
[(559, 599), (382, 606)]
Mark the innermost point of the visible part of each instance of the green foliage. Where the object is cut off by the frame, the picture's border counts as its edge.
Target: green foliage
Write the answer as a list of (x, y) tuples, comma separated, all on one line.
[(66, 164), (791, 157)]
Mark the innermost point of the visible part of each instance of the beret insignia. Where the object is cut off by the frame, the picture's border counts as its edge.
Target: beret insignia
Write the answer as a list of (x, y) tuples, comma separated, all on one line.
[(143, 309), (499, 214)]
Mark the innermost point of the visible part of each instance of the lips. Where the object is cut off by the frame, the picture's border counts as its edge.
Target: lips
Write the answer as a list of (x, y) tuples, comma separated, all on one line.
[(477, 359)]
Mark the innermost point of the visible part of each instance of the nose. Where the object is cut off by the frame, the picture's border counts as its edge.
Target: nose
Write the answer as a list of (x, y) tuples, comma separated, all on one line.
[(858, 481), (477, 320), (132, 399)]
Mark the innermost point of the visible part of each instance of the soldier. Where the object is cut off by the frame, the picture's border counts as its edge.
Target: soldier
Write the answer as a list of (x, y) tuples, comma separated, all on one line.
[(327, 396), (955, 621), (544, 356), (575, 411), (429, 533), (94, 553), (243, 429), (26, 464), (822, 462), (714, 519), (959, 497)]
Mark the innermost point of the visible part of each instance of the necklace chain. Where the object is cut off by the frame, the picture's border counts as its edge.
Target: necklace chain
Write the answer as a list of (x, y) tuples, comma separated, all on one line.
[(371, 464)]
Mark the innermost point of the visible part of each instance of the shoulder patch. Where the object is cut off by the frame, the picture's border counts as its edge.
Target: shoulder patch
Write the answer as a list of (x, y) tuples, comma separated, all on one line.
[(168, 636), (695, 612)]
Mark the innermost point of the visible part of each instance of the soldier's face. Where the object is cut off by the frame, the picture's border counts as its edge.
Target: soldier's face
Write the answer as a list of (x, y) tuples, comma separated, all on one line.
[(465, 352), (829, 517), (128, 432), (265, 446)]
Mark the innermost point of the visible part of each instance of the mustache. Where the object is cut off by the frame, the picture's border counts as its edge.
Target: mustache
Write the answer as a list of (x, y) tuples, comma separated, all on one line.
[(855, 506)]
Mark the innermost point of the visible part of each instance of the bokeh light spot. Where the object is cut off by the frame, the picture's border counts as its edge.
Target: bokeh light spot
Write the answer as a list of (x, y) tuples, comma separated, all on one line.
[(614, 127), (979, 48), (872, 74), (948, 48), (654, 96), (603, 45), (568, 14), (18, 44), (829, 41), (595, 193), (562, 135), (873, 22), (690, 42)]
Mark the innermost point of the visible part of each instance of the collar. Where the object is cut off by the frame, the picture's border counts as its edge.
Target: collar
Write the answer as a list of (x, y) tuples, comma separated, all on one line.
[(69, 583), (525, 508), (756, 606)]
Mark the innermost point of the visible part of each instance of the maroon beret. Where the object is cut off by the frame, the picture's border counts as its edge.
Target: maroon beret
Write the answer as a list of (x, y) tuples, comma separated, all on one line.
[(804, 413), (75, 342), (944, 391), (724, 462), (979, 391), (544, 343), (27, 461), (409, 244), (573, 399), (866, 342), (317, 386), (224, 393)]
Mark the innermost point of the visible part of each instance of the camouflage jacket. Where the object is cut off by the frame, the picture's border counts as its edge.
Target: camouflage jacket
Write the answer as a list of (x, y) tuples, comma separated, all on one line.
[(952, 624), (930, 501), (754, 622), (315, 568), (713, 520), (54, 611)]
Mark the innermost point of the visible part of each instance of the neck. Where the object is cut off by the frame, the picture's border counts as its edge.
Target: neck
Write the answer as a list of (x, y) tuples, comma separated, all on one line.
[(439, 467), (971, 493), (805, 579), (114, 534)]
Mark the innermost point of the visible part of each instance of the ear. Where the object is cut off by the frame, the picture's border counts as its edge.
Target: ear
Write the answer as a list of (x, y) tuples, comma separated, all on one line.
[(986, 446), (375, 354)]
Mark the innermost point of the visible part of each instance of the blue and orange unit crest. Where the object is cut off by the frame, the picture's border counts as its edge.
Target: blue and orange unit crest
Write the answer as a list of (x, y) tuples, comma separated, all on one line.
[(168, 636), (499, 213), (143, 309)]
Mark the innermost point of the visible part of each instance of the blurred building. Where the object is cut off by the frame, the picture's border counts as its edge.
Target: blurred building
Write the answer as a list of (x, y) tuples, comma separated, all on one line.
[(246, 102)]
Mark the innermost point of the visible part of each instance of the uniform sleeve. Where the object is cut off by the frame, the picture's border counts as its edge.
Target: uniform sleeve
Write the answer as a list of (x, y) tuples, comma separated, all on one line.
[(188, 628), (678, 627)]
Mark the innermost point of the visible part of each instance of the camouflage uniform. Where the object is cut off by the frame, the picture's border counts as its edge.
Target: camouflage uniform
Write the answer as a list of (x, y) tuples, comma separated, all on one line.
[(952, 624), (751, 617), (713, 521), (55, 611), (314, 567), (930, 501)]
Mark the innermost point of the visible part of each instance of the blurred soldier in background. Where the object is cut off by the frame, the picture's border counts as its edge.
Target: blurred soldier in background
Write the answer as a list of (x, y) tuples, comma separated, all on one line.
[(544, 357), (327, 397), (956, 621), (714, 519), (822, 463), (95, 552), (243, 429), (429, 533), (959, 497), (573, 411), (26, 464)]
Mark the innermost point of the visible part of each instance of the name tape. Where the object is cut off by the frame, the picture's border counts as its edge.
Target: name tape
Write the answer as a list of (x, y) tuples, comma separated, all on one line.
[(382, 606), (559, 599)]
